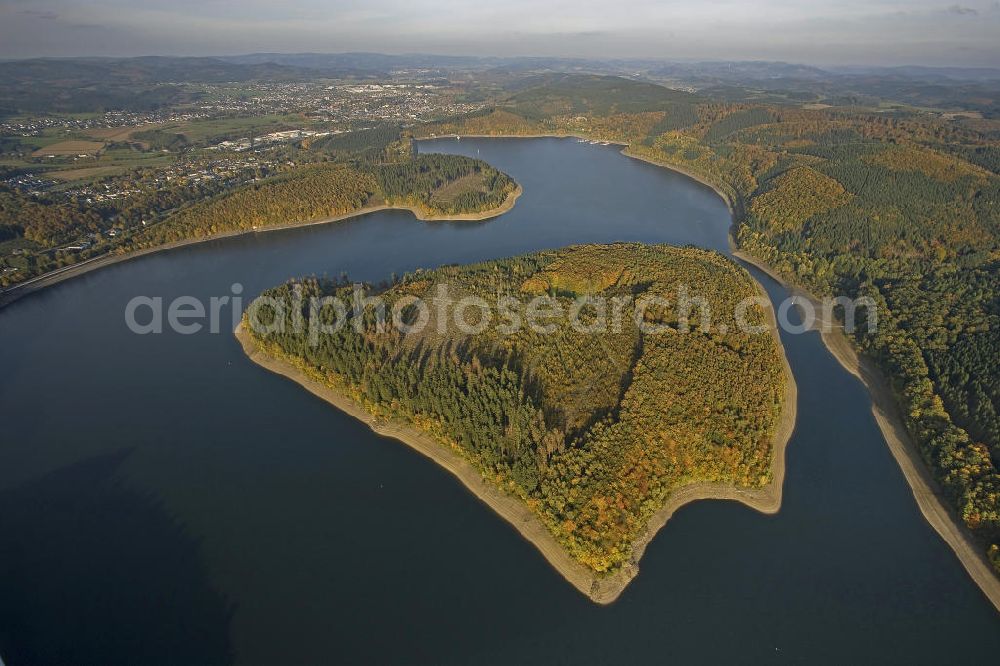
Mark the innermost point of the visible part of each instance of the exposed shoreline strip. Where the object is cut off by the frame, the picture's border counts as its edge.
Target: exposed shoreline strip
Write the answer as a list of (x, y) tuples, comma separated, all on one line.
[(59, 275), (926, 491), (904, 449), (901, 445), (600, 589)]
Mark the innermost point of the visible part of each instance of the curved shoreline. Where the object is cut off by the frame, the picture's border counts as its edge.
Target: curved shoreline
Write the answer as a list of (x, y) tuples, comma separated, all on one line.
[(94, 263), (766, 500), (600, 589), (935, 510), (693, 175), (924, 487)]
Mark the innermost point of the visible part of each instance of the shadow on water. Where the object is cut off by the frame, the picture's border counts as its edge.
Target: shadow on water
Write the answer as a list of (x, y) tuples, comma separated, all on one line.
[(335, 544), (73, 535)]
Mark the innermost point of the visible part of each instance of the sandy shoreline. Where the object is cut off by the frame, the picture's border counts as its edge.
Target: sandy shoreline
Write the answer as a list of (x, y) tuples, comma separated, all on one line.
[(693, 175), (926, 491), (600, 589), (544, 135), (60, 275), (509, 507), (885, 409)]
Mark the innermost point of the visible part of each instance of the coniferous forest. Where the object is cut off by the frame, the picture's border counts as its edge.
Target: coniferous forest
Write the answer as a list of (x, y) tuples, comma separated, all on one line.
[(897, 204), (324, 178), (433, 184), (904, 209), (593, 429)]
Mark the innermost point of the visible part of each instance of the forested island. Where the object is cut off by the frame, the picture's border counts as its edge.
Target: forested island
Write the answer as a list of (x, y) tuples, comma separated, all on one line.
[(597, 435), (839, 200), (884, 185)]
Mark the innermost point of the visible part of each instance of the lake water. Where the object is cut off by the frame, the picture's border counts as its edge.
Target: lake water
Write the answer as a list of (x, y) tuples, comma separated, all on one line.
[(164, 500)]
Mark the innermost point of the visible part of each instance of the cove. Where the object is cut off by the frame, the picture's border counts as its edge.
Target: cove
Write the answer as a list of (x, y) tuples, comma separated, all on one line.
[(281, 530)]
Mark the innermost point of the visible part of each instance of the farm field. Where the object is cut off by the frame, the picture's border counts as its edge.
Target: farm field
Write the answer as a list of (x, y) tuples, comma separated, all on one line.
[(69, 148)]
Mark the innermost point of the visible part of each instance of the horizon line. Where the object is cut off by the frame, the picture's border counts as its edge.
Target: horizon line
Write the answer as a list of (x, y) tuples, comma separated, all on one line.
[(581, 59)]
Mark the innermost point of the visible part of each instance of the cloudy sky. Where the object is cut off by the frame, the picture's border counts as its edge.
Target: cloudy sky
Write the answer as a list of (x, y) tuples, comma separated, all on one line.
[(886, 32)]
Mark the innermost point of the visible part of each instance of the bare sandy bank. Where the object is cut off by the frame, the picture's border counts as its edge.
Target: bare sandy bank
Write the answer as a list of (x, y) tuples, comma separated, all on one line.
[(925, 490), (541, 135), (933, 505), (600, 589), (625, 150), (59, 275), (766, 500), (693, 175)]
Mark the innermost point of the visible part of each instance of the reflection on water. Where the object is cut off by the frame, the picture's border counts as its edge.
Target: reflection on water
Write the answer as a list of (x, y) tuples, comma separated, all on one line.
[(251, 519), (89, 567)]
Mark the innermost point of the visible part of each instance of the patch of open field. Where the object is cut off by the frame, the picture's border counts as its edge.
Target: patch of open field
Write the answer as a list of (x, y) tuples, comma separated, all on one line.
[(39, 142), (70, 148), (86, 172), (200, 130), (447, 194), (974, 115), (116, 133)]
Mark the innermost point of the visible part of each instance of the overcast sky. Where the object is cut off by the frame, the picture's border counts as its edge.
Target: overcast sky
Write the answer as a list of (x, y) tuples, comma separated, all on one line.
[(884, 32)]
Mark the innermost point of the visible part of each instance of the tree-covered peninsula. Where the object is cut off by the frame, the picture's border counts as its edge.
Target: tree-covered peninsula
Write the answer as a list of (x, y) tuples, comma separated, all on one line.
[(432, 186), (841, 200), (595, 420), (314, 179)]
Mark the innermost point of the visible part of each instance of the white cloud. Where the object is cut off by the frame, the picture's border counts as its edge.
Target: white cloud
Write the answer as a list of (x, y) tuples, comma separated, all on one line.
[(882, 31)]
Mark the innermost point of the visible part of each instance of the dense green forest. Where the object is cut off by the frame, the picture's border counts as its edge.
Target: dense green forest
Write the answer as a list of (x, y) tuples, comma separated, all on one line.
[(374, 145), (899, 205), (842, 201), (592, 431), (334, 175), (443, 185), (918, 230), (435, 184), (42, 220), (159, 140), (310, 193)]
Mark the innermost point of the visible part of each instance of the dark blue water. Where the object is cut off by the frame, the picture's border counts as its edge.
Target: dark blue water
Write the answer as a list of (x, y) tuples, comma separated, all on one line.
[(162, 499)]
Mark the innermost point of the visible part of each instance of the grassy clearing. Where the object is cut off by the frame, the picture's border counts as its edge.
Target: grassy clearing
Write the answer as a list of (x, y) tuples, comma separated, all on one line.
[(446, 195), (200, 130), (87, 173), (69, 148), (113, 134)]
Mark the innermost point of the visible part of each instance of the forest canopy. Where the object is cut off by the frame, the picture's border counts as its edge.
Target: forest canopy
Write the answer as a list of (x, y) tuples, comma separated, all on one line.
[(902, 209), (594, 431), (435, 185)]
